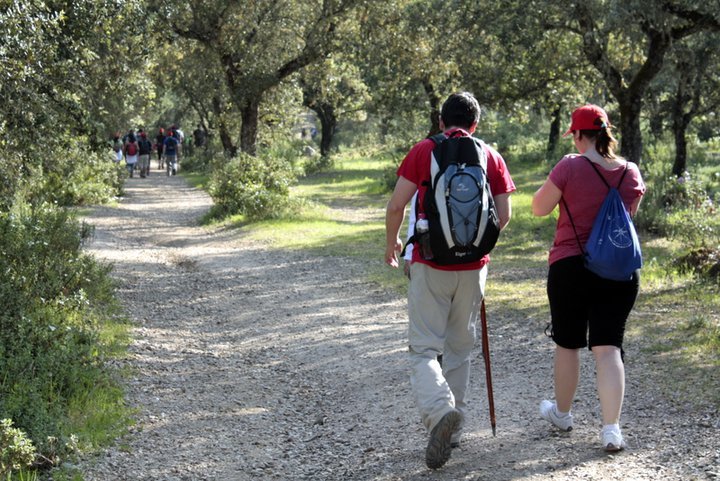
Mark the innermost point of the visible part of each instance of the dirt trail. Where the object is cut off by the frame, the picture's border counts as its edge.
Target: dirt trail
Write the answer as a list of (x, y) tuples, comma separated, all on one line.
[(248, 363)]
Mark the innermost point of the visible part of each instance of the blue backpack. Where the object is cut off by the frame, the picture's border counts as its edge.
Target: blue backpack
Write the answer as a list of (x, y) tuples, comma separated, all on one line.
[(613, 249), (462, 219)]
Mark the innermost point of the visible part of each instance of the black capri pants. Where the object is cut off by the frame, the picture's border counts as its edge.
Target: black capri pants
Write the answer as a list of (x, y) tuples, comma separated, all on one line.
[(587, 310)]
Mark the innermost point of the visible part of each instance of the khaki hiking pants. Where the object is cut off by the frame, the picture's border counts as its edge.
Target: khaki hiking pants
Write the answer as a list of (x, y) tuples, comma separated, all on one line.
[(443, 310)]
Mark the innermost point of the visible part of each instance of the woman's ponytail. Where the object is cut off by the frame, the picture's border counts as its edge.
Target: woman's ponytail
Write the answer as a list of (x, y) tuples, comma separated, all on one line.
[(605, 143)]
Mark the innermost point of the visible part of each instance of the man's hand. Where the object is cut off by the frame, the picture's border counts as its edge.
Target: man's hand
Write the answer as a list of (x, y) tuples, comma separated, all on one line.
[(394, 215), (392, 252)]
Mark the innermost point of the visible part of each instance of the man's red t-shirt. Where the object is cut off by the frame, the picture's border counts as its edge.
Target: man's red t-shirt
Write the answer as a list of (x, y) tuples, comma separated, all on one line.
[(416, 168)]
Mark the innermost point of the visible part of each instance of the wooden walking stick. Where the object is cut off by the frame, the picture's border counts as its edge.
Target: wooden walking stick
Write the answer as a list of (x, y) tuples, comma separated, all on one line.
[(486, 357)]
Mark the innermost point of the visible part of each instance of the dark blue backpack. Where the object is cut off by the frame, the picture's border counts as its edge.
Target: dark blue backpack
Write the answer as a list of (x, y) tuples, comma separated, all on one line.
[(613, 248)]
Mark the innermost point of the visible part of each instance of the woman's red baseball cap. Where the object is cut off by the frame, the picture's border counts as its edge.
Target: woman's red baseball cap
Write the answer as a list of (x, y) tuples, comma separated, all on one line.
[(588, 117)]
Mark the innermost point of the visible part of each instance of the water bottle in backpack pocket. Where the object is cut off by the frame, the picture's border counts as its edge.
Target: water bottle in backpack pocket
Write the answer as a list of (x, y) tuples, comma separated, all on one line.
[(422, 229)]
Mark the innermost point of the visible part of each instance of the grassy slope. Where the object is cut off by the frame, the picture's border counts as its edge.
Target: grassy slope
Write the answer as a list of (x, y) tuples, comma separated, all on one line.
[(676, 320)]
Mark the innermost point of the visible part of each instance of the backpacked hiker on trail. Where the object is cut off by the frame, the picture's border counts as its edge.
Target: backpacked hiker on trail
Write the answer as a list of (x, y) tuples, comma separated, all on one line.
[(117, 147), (159, 146), (180, 136), (131, 153), (145, 149), (581, 302), (448, 272), (171, 145), (199, 136)]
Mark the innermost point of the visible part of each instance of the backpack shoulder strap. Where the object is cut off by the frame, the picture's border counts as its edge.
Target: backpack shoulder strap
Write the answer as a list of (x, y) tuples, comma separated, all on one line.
[(623, 176), (438, 138), (483, 155), (602, 177), (577, 237), (412, 239), (592, 164)]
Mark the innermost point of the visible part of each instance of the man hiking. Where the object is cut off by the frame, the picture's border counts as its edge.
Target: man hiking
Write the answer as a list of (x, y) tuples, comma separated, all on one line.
[(443, 300)]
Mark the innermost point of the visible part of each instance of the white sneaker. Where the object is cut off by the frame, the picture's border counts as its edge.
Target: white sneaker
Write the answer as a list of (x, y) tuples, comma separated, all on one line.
[(612, 440), (548, 411)]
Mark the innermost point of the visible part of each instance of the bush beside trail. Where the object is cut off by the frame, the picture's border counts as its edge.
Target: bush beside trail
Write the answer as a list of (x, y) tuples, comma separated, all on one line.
[(55, 298), (256, 187), (55, 390)]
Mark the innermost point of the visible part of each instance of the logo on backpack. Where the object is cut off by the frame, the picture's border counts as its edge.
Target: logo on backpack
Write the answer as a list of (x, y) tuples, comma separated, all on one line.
[(619, 257), (619, 234), (463, 224)]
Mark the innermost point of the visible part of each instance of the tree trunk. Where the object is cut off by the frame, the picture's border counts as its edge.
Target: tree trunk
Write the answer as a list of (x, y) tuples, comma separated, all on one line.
[(680, 122), (627, 92), (328, 123), (228, 147), (680, 164), (630, 135), (385, 123), (248, 131), (434, 101), (554, 135)]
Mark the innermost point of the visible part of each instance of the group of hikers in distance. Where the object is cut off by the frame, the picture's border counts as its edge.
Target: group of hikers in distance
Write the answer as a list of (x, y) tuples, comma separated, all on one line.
[(460, 191), (136, 149)]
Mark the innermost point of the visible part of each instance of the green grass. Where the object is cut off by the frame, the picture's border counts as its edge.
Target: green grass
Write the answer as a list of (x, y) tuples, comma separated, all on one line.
[(342, 214), (98, 415), (23, 475), (196, 180), (676, 317)]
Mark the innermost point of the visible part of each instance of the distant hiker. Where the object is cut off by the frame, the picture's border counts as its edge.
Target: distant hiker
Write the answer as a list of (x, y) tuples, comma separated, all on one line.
[(178, 135), (131, 153), (130, 133), (199, 136), (443, 299), (171, 145), (583, 304), (117, 147), (159, 146), (145, 149)]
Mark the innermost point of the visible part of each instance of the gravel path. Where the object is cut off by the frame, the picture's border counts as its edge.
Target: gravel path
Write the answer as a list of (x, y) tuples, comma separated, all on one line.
[(248, 363)]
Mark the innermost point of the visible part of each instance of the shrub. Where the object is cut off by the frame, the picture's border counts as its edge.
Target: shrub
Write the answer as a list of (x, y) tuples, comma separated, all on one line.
[(82, 177), (200, 160), (257, 187), (389, 173), (684, 209), (680, 208), (16, 450), (703, 261), (317, 163), (692, 214), (52, 296), (88, 178)]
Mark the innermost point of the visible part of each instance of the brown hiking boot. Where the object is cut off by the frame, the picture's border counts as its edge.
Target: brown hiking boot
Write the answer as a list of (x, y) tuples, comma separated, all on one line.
[(439, 446)]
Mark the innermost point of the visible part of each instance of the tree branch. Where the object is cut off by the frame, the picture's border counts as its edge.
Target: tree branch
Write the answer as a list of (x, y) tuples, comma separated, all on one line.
[(595, 51), (697, 20)]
